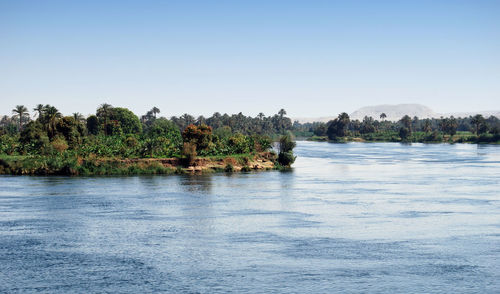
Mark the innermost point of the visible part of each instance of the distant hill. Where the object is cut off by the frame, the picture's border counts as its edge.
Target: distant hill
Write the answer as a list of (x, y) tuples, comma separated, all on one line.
[(396, 112)]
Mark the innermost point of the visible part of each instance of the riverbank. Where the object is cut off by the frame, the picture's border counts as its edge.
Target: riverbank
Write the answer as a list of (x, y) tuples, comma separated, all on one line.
[(419, 137), (74, 166)]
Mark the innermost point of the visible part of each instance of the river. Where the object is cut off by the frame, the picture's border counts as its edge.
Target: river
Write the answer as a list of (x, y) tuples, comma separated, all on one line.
[(349, 218)]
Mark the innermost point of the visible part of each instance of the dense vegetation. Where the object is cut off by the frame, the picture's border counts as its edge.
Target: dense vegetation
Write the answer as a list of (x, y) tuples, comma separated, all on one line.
[(473, 129), (49, 142)]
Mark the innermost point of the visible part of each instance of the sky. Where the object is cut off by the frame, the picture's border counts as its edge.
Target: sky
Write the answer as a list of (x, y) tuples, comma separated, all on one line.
[(312, 58)]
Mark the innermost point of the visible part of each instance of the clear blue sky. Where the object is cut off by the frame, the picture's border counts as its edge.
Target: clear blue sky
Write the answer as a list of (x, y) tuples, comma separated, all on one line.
[(313, 58)]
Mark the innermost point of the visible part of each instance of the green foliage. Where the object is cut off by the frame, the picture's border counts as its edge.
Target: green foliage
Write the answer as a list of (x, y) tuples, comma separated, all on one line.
[(8, 144), (223, 132), (34, 140), (286, 144), (285, 147), (93, 125), (71, 130), (338, 127), (434, 137), (59, 144), (229, 168), (189, 153), (126, 120), (200, 136), (239, 144), (404, 133), (449, 125), (286, 158), (111, 141)]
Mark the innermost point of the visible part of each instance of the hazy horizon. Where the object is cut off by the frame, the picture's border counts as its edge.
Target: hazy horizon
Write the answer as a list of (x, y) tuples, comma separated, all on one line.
[(313, 59)]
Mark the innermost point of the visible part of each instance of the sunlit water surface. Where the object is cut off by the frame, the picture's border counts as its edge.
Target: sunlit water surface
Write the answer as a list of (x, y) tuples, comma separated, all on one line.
[(377, 218)]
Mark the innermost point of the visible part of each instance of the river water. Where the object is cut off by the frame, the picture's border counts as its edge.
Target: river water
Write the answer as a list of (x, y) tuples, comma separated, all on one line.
[(350, 218)]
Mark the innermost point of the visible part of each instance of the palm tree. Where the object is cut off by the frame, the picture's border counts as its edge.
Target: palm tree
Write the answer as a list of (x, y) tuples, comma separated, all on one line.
[(406, 121), (282, 113), (21, 111), (260, 115), (427, 127), (78, 117), (187, 119), (200, 120), (39, 109), (383, 116), (477, 120), (51, 116), (155, 110), (344, 118), (103, 112)]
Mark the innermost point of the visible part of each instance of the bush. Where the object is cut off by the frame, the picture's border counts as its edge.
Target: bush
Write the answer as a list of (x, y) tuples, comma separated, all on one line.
[(59, 144), (246, 168), (189, 153), (434, 137), (8, 144), (404, 133), (285, 146), (286, 158), (229, 168)]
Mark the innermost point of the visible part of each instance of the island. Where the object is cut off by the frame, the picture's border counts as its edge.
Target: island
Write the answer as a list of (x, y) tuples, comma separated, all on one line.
[(115, 141)]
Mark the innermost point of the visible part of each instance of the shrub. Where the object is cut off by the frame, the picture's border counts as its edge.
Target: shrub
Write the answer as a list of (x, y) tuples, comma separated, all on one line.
[(8, 144), (404, 133), (59, 144), (189, 153), (229, 168), (200, 136), (246, 168), (286, 158)]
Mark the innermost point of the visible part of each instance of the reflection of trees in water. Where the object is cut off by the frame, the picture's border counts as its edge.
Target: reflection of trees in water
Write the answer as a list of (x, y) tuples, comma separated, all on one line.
[(196, 183), (286, 180)]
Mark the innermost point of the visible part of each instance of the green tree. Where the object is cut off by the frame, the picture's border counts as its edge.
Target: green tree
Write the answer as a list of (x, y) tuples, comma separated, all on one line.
[(127, 120), (285, 147), (427, 126), (155, 110), (103, 113), (68, 127), (338, 126), (404, 133), (50, 117), (478, 121), (200, 136), (449, 125), (34, 139), (407, 125), (78, 117), (93, 125), (39, 110), (20, 111)]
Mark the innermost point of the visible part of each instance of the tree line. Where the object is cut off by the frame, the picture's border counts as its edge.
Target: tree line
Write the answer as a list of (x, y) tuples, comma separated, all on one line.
[(118, 132), (473, 128)]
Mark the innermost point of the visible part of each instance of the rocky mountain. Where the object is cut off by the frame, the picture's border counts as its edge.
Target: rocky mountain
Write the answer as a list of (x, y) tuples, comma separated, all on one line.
[(394, 112)]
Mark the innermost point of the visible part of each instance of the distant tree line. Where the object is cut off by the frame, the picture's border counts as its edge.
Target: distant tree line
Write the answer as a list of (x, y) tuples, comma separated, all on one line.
[(472, 128)]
